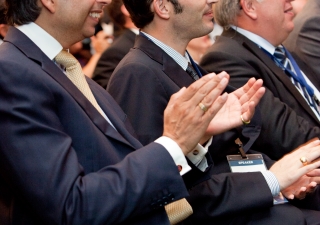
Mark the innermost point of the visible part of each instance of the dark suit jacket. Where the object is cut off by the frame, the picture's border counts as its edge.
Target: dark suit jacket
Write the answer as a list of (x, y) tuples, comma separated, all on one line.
[(112, 56), (142, 84), (304, 40), (60, 160), (287, 120)]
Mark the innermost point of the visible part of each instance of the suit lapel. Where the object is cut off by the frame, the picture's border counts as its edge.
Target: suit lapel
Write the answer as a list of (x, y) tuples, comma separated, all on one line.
[(23, 43), (169, 66), (124, 132), (266, 60)]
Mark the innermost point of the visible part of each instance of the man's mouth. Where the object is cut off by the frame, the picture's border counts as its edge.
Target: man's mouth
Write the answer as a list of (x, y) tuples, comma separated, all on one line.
[(95, 15)]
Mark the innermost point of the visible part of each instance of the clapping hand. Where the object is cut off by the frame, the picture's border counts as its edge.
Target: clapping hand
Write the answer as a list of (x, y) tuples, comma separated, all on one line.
[(240, 106)]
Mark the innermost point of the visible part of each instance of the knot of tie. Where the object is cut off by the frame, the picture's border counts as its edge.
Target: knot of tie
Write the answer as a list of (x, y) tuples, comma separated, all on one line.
[(66, 59)]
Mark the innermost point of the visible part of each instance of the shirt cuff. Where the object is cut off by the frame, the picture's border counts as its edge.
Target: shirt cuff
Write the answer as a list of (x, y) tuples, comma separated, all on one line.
[(197, 156), (176, 153), (272, 182)]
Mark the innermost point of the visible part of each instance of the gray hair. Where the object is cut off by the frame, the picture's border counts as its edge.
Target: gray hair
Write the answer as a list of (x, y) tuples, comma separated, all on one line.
[(226, 12)]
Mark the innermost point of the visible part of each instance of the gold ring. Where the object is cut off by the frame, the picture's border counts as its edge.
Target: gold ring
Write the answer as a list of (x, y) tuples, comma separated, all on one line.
[(244, 122), (203, 107), (304, 160)]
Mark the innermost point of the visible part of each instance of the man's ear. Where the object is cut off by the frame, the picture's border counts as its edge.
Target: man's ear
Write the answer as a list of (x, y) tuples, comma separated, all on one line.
[(249, 8), (124, 11), (50, 5), (161, 8)]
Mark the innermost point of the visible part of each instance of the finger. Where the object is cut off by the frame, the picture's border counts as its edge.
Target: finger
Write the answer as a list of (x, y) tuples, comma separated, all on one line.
[(245, 88), (256, 97), (209, 101), (305, 169), (311, 187), (212, 96), (217, 105), (197, 85), (301, 194), (250, 91), (314, 173)]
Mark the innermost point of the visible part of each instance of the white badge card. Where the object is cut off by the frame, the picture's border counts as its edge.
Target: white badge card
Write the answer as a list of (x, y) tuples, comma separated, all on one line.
[(252, 163)]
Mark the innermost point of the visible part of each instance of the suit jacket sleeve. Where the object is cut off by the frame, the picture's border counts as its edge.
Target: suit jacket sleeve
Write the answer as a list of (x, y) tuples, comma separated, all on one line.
[(40, 168), (280, 124)]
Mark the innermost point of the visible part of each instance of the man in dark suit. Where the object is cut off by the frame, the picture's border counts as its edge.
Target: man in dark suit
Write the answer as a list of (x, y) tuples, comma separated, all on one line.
[(142, 84), (67, 152), (304, 40), (246, 50), (121, 46)]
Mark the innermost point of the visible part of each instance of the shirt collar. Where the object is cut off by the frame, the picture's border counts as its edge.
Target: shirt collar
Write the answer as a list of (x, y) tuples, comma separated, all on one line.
[(176, 56), (261, 42), (48, 45)]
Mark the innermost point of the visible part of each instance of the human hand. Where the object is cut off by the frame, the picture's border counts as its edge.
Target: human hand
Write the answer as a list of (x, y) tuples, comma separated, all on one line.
[(303, 186), (240, 102), (100, 42), (184, 121), (290, 169)]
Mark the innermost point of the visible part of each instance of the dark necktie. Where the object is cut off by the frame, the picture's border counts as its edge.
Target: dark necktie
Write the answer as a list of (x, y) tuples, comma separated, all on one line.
[(284, 62), (190, 70)]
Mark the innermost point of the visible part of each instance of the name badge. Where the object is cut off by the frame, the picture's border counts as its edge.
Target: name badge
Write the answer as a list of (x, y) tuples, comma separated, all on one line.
[(252, 163)]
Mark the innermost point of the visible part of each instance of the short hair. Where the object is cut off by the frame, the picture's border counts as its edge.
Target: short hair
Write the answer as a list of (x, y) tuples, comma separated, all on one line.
[(141, 13), (115, 14), (2, 12), (21, 12), (226, 12)]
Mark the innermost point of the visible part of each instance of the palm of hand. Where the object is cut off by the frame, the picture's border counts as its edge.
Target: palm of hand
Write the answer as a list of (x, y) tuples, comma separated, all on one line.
[(228, 116)]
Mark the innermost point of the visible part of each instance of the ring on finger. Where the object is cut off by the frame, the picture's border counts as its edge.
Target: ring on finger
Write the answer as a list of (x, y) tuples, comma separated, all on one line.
[(203, 107), (244, 122), (304, 160)]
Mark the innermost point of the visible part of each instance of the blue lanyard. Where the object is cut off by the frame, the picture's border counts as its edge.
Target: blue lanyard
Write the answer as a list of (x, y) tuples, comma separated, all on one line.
[(195, 66), (298, 76)]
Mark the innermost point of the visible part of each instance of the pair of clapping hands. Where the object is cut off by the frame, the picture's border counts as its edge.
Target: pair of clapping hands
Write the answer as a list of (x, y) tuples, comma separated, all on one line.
[(196, 113)]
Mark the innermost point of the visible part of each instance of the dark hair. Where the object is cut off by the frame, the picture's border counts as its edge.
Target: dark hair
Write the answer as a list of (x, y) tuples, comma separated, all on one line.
[(21, 11), (2, 13), (115, 14), (141, 13)]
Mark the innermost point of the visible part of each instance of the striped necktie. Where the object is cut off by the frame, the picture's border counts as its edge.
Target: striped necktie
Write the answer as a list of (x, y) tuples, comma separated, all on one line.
[(284, 62), (190, 70)]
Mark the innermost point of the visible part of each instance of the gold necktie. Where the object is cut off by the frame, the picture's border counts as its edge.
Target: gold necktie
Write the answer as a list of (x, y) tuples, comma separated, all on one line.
[(178, 211), (75, 74)]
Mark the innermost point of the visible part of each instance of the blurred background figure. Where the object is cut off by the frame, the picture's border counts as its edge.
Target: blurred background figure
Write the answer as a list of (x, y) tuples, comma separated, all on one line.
[(304, 40), (298, 5), (3, 24), (124, 39), (217, 29), (198, 46)]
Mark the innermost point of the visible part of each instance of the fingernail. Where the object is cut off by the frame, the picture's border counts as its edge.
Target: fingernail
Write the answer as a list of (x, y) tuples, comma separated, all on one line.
[(222, 74), (224, 96), (224, 81)]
